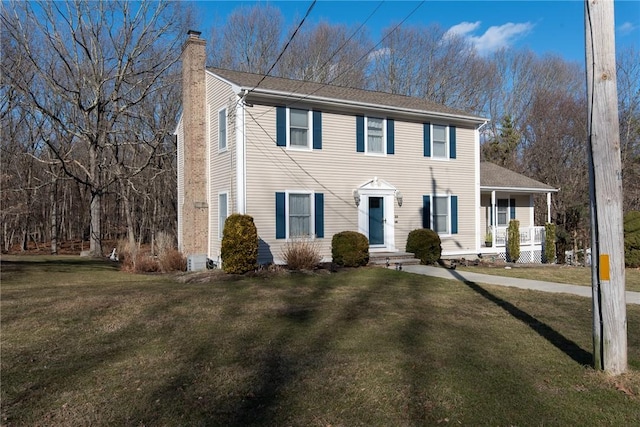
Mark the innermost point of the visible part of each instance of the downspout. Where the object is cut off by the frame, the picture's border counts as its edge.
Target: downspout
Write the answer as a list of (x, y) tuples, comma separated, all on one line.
[(241, 173)]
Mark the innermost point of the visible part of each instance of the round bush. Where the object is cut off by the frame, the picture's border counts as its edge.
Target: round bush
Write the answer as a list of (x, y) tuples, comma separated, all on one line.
[(425, 244), (350, 249), (239, 251), (632, 239)]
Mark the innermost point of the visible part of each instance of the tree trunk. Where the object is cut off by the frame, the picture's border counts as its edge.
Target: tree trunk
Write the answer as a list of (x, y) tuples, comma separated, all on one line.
[(95, 244), (54, 217)]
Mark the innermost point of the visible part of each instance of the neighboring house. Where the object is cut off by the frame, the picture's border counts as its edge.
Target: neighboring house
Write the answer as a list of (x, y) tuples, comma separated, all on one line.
[(308, 160), (507, 195)]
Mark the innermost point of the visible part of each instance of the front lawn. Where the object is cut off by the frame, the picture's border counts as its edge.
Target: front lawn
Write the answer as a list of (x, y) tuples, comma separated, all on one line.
[(85, 344)]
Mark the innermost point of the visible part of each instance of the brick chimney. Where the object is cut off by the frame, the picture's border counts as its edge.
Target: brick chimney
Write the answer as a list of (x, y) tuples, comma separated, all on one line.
[(194, 210)]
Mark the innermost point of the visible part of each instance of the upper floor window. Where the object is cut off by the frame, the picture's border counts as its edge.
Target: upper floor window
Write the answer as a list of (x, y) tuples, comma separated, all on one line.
[(222, 129), (375, 136), (439, 141), (298, 128)]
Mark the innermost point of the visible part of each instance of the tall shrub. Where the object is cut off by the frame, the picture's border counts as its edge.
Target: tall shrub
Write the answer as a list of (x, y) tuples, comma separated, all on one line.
[(513, 240), (632, 239), (425, 244), (239, 251), (549, 243)]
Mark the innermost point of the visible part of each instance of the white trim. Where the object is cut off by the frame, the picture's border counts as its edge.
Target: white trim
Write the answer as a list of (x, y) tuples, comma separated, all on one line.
[(477, 193), (241, 166), (519, 189), (234, 87), (532, 219), (378, 188), (366, 137), (226, 130), (208, 173), (309, 146)]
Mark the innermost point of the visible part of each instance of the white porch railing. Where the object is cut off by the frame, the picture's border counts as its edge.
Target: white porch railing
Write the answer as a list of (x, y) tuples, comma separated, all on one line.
[(528, 236)]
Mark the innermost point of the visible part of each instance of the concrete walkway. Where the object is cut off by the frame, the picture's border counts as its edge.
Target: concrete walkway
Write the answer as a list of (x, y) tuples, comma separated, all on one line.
[(445, 273)]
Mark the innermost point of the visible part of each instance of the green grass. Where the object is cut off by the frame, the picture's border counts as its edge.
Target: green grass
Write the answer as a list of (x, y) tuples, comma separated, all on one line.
[(84, 344), (554, 273)]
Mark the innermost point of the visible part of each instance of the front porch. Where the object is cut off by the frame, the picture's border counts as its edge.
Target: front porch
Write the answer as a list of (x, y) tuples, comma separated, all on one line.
[(531, 244)]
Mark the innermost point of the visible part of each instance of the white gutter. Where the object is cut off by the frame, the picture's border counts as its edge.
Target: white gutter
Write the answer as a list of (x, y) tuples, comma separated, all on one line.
[(521, 189)]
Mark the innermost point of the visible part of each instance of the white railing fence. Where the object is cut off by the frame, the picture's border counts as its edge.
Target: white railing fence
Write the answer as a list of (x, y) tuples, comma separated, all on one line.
[(528, 236)]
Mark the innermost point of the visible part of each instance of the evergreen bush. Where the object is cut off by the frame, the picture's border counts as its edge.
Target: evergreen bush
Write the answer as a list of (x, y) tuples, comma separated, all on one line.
[(425, 244), (513, 240), (239, 251), (350, 249), (549, 243), (632, 239)]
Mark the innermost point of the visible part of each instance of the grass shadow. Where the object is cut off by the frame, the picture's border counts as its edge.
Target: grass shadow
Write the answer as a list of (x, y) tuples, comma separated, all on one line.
[(562, 343)]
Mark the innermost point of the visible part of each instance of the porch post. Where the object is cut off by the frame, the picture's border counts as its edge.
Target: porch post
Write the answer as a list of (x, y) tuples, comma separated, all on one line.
[(493, 214), (549, 207)]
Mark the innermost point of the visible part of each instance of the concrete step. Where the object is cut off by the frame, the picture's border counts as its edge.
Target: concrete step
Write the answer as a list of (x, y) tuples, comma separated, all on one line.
[(392, 259)]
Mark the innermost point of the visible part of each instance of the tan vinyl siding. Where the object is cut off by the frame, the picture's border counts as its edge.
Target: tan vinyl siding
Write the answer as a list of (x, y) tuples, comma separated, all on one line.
[(222, 175), (338, 169), (523, 209)]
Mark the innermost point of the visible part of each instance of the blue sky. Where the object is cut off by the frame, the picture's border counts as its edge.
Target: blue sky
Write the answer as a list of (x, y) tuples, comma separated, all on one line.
[(555, 27)]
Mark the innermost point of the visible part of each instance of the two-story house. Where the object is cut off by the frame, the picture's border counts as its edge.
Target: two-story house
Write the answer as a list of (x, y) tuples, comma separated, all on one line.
[(310, 160)]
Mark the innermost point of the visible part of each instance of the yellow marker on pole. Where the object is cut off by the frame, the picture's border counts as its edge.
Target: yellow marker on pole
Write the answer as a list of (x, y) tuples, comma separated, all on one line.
[(604, 267)]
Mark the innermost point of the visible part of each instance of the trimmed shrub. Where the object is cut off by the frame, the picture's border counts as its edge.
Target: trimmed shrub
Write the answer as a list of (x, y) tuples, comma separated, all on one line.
[(301, 254), (549, 243), (425, 244), (350, 249), (632, 239), (513, 240), (239, 251)]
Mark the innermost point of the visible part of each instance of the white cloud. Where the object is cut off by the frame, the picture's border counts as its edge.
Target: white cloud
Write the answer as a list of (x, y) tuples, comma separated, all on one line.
[(494, 38), (627, 28), (379, 53)]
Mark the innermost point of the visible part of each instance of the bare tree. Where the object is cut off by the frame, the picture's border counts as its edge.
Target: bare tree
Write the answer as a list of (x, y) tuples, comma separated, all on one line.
[(628, 75), (249, 40), (94, 65)]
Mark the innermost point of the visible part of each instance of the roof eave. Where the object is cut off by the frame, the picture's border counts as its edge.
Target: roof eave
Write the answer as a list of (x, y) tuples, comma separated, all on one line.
[(519, 189)]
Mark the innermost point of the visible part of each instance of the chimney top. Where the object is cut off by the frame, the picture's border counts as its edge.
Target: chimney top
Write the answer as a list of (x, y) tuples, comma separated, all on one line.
[(194, 33)]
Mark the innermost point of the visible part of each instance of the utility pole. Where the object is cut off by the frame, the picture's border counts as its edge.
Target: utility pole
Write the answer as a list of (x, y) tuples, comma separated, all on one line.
[(605, 183)]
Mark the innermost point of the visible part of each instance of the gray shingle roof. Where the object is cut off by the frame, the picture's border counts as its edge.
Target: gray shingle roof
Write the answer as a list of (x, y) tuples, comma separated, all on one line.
[(494, 176), (305, 89)]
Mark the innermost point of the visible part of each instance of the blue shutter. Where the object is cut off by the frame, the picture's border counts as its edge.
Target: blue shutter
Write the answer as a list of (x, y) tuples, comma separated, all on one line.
[(281, 219), (512, 208), (454, 214), (426, 211), (360, 134), (319, 214), (452, 142), (317, 130), (390, 137), (281, 126), (426, 140)]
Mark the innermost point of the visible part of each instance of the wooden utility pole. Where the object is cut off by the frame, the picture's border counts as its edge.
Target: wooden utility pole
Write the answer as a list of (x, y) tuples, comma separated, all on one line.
[(605, 182)]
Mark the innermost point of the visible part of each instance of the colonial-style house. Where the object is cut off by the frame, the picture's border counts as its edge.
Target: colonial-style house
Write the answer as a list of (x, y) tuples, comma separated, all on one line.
[(308, 160)]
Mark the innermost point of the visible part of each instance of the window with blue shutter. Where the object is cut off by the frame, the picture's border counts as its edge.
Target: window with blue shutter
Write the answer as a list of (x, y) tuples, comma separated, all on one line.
[(452, 142), (454, 214), (426, 211), (281, 126), (317, 130), (281, 218), (426, 137), (390, 137), (360, 134), (319, 214), (512, 208)]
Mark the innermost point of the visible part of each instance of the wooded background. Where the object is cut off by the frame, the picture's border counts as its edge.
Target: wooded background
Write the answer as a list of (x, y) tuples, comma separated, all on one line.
[(90, 98)]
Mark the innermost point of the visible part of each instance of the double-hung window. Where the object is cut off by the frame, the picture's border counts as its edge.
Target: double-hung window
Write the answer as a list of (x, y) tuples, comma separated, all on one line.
[(300, 215), (440, 213), (375, 136), (503, 212), (299, 128), (223, 212), (439, 141), (222, 129)]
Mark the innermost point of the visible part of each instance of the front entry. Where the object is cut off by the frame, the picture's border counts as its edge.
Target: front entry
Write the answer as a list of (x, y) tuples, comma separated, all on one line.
[(376, 220)]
